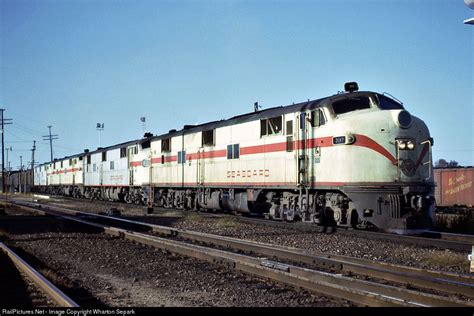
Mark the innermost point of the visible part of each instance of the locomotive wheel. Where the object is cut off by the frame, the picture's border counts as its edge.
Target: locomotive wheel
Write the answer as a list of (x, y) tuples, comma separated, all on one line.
[(289, 216), (127, 198)]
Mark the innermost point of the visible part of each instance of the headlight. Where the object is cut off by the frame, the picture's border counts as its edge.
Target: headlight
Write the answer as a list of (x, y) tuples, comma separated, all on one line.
[(404, 119), (405, 144)]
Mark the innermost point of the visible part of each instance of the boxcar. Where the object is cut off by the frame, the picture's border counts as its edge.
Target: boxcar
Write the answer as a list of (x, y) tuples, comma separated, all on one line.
[(454, 186)]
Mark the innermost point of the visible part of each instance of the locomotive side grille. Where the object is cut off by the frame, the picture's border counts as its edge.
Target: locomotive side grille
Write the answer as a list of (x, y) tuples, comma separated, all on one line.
[(395, 205)]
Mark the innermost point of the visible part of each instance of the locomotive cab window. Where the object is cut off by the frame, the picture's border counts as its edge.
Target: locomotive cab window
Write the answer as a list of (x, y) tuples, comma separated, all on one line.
[(317, 118), (233, 151), (88, 159), (104, 156), (146, 144), (208, 138), (166, 145), (289, 127), (123, 152), (351, 104), (289, 137), (271, 126), (386, 103), (181, 157)]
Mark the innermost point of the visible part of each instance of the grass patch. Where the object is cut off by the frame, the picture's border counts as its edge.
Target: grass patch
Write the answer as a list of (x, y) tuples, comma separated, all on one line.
[(446, 259), (194, 217), (227, 222)]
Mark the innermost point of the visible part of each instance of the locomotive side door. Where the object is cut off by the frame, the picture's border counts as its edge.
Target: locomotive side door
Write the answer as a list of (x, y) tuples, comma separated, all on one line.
[(131, 153), (291, 132), (317, 121), (302, 149), (200, 167)]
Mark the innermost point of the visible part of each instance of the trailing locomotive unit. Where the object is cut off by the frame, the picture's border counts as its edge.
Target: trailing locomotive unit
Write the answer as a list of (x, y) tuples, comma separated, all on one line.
[(351, 159)]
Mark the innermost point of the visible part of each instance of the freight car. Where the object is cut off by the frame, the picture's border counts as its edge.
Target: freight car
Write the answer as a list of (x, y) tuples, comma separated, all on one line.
[(351, 159), (19, 181), (454, 187)]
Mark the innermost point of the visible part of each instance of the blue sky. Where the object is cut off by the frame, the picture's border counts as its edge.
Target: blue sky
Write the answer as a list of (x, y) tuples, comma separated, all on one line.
[(71, 64)]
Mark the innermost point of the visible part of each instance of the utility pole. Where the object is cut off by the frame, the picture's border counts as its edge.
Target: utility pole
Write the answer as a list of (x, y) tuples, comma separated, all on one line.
[(21, 171), (33, 156), (4, 122), (8, 162), (50, 138)]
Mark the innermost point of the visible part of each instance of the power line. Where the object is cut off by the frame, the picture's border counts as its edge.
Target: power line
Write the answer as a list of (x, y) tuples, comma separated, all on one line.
[(26, 129)]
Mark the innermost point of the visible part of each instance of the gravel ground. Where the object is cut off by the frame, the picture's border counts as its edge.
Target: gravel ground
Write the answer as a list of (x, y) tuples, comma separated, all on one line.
[(120, 273), (388, 251)]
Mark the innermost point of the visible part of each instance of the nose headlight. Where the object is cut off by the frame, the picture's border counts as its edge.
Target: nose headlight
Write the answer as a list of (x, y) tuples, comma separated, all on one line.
[(405, 144), (404, 119)]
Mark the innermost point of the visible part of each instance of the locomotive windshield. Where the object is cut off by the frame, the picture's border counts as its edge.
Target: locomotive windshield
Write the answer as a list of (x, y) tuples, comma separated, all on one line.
[(386, 103), (351, 104)]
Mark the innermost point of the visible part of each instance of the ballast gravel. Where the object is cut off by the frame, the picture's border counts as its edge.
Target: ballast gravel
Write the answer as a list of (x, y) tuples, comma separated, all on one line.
[(384, 251), (121, 273), (353, 246)]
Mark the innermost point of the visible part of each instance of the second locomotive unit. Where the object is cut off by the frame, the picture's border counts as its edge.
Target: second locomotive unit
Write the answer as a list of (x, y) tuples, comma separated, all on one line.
[(352, 159)]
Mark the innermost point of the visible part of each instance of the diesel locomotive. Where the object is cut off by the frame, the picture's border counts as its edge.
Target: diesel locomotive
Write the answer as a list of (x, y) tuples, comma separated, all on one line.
[(356, 158)]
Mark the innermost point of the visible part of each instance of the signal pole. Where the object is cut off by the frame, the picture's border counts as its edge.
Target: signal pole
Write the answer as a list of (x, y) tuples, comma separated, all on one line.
[(4, 122), (50, 138), (100, 128)]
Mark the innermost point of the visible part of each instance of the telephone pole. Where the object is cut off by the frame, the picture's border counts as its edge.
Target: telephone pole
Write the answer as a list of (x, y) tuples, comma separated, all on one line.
[(8, 161), (21, 171), (4, 122), (50, 138), (33, 155)]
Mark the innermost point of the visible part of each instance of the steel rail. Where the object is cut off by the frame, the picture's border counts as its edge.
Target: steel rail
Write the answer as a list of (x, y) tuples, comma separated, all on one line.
[(270, 250), (37, 278), (460, 242), (437, 280), (446, 241), (358, 291)]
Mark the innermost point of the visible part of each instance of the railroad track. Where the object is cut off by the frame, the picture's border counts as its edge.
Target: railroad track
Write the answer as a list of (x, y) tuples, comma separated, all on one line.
[(432, 239), (12, 289), (459, 242), (357, 280)]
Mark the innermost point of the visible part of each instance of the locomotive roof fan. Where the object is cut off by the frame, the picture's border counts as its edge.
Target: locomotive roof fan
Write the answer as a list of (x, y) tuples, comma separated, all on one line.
[(351, 86)]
